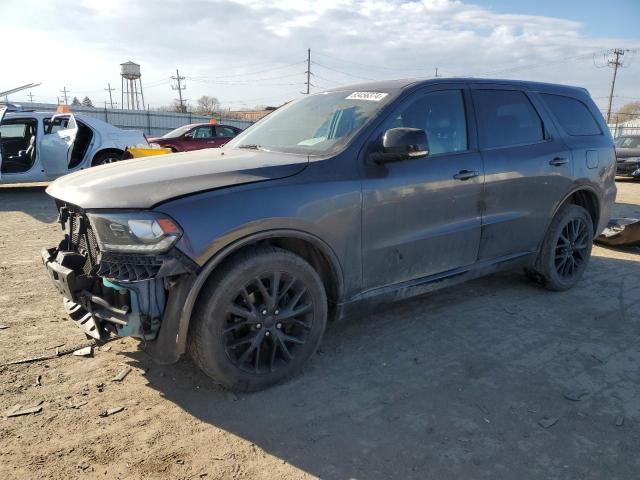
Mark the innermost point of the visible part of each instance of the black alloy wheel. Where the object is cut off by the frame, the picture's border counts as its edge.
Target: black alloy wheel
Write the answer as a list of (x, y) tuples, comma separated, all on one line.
[(267, 321), (260, 316), (572, 248), (566, 249)]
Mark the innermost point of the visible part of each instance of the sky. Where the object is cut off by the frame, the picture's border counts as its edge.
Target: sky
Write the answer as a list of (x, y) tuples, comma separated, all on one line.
[(253, 52)]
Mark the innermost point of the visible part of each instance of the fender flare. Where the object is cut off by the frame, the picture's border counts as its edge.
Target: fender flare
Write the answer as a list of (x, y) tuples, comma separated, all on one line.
[(223, 253), (575, 188)]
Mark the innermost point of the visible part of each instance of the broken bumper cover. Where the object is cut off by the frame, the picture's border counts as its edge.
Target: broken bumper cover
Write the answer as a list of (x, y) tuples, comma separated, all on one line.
[(75, 288), (104, 307)]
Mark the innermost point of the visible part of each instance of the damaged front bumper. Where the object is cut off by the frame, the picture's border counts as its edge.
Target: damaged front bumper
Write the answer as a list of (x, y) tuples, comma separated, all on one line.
[(104, 307)]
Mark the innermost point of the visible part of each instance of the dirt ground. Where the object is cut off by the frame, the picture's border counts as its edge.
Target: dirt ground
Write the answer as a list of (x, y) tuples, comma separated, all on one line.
[(454, 384)]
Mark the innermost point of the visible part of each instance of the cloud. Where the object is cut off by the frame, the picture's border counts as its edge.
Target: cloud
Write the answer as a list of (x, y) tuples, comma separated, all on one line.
[(213, 42)]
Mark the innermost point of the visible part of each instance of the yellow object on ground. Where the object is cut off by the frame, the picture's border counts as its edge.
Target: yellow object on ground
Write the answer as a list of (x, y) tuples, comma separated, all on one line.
[(137, 152)]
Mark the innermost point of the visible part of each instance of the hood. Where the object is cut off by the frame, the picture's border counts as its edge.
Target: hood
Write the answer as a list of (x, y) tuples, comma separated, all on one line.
[(627, 152), (145, 182)]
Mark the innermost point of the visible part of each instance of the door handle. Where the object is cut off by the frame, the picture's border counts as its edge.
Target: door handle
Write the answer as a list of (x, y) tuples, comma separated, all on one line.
[(465, 175), (556, 162)]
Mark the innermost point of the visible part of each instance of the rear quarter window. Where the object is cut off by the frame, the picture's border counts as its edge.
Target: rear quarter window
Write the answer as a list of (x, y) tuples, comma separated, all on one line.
[(574, 116)]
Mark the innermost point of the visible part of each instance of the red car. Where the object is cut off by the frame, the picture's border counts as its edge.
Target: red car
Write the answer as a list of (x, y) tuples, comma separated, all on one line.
[(196, 136)]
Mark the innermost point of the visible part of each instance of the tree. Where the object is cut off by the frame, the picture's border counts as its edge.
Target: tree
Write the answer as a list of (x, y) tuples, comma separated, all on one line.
[(86, 101), (629, 111), (75, 102), (207, 105), (175, 107)]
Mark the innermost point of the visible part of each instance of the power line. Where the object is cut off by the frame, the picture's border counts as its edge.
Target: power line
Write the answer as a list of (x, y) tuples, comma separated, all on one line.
[(342, 72), (382, 67), (541, 64), (248, 73), (244, 82)]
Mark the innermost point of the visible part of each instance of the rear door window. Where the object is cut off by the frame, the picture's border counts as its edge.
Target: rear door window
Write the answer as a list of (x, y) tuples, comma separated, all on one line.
[(573, 115), (225, 132), (507, 118)]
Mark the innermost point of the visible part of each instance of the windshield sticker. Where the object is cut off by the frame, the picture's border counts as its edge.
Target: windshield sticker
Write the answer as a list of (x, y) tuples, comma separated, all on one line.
[(370, 96)]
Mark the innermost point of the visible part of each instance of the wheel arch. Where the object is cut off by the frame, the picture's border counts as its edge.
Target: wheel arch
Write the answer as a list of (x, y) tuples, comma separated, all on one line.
[(102, 151), (308, 246), (585, 197)]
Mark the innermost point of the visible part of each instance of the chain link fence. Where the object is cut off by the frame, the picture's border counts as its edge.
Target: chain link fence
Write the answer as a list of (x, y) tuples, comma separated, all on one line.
[(151, 122)]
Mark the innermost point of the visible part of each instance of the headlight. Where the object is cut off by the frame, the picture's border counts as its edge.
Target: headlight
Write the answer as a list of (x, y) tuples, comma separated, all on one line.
[(134, 232), (154, 145)]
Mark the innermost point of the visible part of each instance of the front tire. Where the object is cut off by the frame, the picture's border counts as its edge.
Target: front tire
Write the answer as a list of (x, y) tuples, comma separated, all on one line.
[(566, 249), (259, 318)]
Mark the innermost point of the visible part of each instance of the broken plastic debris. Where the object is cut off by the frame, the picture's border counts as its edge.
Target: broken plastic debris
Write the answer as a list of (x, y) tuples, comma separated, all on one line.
[(18, 410), (619, 421), (121, 374), (84, 352), (111, 411)]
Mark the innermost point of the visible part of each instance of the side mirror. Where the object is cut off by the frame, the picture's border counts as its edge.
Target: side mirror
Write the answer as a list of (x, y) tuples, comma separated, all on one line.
[(188, 135), (402, 144)]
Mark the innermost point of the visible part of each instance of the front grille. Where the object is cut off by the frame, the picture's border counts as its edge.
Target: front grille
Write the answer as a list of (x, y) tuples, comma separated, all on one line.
[(79, 237), (129, 268)]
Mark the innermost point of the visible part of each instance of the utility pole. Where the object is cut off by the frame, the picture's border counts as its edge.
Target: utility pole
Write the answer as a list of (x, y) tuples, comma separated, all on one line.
[(179, 87), (618, 52), (30, 95), (308, 72), (436, 72), (109, 89), (65, 91)]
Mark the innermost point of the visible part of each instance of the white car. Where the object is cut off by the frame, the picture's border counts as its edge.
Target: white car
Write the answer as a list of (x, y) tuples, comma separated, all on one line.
[(41, 146)]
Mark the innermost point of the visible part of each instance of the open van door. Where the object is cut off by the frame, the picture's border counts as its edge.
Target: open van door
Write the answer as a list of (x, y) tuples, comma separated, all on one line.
[(3, 110), (57, 143)]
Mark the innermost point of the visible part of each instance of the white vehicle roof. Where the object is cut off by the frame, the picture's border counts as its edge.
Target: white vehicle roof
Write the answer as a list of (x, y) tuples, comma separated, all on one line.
[(90, 121)]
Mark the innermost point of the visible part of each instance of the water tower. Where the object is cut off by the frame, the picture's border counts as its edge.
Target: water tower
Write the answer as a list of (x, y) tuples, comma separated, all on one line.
[(131, 85)]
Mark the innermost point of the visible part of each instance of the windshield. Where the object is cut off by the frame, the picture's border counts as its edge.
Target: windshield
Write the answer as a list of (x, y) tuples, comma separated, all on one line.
[(315, 125), (627, 142), (177, 132)]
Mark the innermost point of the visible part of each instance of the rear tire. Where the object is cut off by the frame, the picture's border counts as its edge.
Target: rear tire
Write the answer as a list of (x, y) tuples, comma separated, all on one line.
[(104, 158), (565, 251), (258, 319)]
